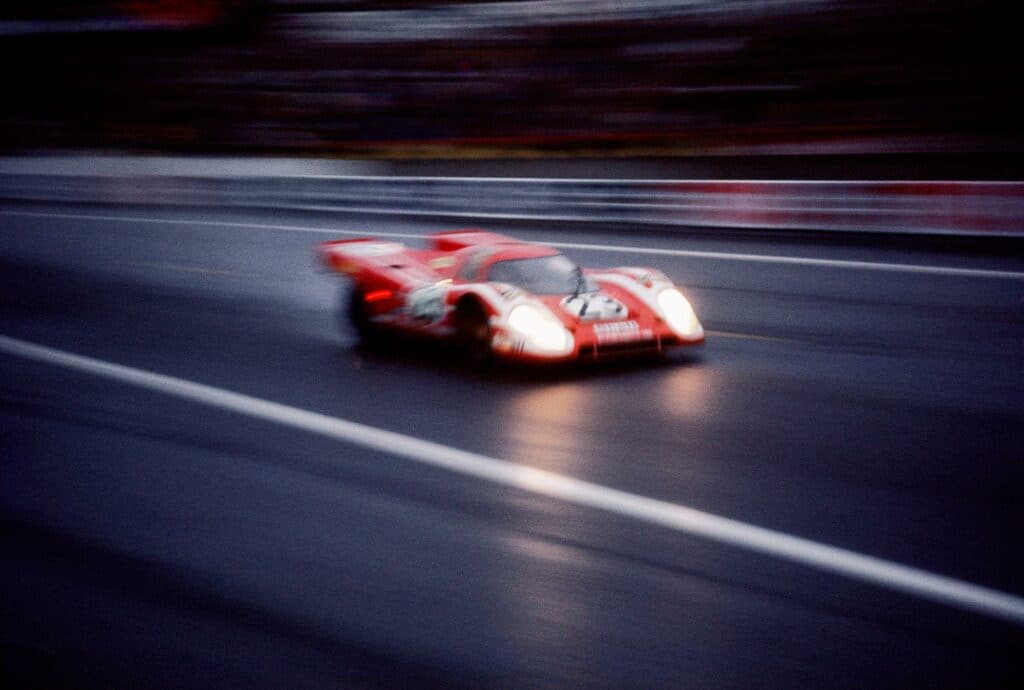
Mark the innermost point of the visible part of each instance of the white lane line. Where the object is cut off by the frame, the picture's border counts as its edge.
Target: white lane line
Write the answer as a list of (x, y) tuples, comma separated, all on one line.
[(799, 261), (876, 571), (195, 269), (215, 223), (749, 336), (606, 182), (693, 254)]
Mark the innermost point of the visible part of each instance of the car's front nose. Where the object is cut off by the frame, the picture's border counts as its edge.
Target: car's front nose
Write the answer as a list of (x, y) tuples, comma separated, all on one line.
[(635, 336)]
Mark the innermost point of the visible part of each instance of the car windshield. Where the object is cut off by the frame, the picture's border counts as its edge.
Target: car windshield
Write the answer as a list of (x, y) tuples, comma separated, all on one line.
[(546, 275)]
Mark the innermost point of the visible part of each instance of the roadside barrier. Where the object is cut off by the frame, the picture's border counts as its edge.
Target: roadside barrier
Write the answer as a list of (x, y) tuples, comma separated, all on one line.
[(915, 207)]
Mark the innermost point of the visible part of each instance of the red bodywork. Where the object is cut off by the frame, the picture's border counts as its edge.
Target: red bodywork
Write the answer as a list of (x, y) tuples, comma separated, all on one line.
[(418, 291)]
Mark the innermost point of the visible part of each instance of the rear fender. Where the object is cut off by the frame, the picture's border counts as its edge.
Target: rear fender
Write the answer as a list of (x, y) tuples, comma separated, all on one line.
[(351, 257), (374, 263), (454, 240)]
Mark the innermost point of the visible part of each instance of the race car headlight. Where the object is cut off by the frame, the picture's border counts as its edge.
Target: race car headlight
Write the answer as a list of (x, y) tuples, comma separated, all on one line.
[(678, 313), (541, 330)]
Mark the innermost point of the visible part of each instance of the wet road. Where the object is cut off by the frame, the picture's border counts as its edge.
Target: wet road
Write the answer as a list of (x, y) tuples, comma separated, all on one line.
[(845, 395)]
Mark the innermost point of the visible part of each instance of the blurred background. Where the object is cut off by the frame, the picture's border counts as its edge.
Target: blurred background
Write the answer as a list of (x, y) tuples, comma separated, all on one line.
[(415, 78), (835, 184)]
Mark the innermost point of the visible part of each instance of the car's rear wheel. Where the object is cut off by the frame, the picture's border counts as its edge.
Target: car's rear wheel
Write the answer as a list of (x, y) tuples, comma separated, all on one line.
[(473, 329), (357, 315)]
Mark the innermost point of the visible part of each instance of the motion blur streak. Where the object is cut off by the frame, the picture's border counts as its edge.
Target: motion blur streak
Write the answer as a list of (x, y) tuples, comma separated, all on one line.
[(725, 256), (677, 517)]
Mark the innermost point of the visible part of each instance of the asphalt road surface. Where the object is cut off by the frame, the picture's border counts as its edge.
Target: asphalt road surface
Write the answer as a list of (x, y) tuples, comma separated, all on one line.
[(856, 394)]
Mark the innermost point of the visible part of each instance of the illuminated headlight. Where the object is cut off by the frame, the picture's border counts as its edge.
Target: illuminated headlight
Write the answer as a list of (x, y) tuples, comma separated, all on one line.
[(678, 313), (541, 330)]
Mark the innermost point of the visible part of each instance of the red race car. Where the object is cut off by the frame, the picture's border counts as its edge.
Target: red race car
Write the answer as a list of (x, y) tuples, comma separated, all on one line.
[(495, 295)]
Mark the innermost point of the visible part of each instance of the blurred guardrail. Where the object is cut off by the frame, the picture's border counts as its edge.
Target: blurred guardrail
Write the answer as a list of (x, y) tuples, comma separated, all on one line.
[(931, 207)]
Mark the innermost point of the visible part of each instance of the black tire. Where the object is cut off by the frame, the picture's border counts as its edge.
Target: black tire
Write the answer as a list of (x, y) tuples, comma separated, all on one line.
[(357, 316), (473, 330)]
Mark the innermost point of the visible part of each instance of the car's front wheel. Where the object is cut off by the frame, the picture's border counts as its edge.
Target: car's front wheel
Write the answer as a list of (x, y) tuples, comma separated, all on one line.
[(473, 329)]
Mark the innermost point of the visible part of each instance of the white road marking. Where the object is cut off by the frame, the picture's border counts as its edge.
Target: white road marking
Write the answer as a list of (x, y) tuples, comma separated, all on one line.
[(799, 261), (749, 336), (680, 518), (597, 181), (215, 223), (687, 253), (195, 269)]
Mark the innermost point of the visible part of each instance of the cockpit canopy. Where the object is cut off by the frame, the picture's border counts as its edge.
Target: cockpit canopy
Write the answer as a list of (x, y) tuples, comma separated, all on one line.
[(544, 275)]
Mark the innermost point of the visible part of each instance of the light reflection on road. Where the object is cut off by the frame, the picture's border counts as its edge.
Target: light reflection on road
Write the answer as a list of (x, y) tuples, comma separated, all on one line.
[(547, 427), (563, 428), (686, 392)]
